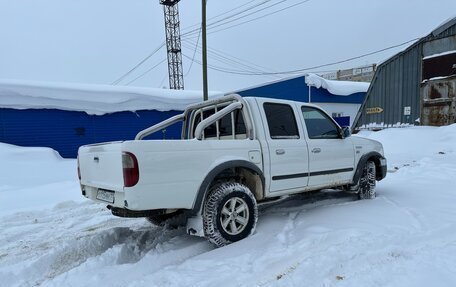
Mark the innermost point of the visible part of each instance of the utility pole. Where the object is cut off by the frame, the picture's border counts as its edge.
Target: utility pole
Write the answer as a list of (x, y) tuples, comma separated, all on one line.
[(203, 32)]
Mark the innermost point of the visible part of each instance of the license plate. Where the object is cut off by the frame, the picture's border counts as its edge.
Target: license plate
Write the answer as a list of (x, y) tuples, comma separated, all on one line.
[(105, 195)]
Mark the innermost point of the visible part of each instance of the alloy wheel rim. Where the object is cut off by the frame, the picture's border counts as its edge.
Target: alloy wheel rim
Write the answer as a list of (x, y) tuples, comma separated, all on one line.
[(234, 216)]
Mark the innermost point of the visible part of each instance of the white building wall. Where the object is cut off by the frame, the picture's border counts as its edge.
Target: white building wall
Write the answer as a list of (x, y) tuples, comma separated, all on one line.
[(350, 110)]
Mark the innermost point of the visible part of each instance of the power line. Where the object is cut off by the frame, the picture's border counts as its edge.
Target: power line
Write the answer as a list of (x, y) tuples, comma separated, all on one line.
[(219, 15), (162, 81), (260, 17), (226, 55), (217, 68), (146, 72), (220, 69), (137, 65), (213, 25), (228, 17), (249, 14), (231, 10), (314, 67), (233, 61), (194, 52), (246, 10)]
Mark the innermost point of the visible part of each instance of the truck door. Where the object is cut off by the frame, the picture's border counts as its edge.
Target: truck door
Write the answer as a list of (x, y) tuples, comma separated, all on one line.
[(331, 158), (289, 163)]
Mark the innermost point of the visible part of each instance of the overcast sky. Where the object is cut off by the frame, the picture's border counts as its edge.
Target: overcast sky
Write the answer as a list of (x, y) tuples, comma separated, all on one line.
[(97, 41)]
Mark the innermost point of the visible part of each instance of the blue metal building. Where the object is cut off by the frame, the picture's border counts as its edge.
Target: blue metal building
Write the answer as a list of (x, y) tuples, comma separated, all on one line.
[(66, 116), (66, 131), (343, 108)]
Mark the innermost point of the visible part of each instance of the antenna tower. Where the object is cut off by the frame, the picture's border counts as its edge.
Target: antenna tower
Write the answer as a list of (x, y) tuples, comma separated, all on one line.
[(173, 44)]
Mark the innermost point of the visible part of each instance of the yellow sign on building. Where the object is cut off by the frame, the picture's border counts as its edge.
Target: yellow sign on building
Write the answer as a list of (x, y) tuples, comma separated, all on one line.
[(376, 110)]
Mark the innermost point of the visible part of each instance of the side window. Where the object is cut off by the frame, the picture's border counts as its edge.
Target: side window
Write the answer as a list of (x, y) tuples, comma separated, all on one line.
[(281, 121), (239, 124), (210, 131), (223, 128), (318, 125)]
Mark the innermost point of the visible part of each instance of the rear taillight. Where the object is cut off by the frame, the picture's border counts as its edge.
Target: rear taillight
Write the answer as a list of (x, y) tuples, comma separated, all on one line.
[(130, 169), (79, 170)]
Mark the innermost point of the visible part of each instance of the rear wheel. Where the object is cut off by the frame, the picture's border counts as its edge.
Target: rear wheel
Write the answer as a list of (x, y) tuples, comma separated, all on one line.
[(230, 213), (366, 185)]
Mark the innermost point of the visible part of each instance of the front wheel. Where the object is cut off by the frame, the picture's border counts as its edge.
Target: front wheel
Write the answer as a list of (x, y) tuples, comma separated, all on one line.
[(230, 213), (366, 186)]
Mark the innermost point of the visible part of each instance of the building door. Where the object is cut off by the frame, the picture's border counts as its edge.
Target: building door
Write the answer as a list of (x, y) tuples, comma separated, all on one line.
[(439, 102)]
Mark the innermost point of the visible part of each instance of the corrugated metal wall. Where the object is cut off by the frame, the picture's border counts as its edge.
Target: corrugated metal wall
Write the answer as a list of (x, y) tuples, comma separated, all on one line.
[(66, 131), (396, 84)]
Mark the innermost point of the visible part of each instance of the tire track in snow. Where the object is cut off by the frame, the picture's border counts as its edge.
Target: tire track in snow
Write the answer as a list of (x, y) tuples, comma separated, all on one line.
[(415, 217), (40, 246), (87, 232)]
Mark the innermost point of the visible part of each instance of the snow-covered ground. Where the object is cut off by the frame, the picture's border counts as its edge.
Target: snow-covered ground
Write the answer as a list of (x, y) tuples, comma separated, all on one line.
[(51, 236)]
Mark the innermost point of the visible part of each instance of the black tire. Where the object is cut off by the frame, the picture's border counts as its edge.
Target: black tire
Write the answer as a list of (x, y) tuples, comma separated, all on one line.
[(171, 220), (230, 213), (367, 182)]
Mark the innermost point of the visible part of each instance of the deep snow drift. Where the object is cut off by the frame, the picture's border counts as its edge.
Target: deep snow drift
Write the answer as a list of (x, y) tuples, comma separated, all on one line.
[(51, 236)]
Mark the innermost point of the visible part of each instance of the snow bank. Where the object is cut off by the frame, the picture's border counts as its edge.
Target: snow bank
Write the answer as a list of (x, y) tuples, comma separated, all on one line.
[(35, 178), (339, 88), (411, 144), (93, 99)]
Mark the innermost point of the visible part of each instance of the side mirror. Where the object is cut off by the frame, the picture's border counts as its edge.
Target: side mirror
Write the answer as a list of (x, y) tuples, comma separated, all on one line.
[(346, 132)]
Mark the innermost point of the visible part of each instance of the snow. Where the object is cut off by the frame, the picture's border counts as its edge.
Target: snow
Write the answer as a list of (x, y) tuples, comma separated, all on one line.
[(339, 88), (404, 237), (437, 78), (440, 54), (92, 99), (382, 125)]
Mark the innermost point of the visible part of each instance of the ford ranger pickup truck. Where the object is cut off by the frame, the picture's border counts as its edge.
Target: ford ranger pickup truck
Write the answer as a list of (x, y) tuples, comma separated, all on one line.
[(234, 153)]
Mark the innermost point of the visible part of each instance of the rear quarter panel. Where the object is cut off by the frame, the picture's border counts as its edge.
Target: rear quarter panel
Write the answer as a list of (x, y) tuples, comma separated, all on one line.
[(171, 172)]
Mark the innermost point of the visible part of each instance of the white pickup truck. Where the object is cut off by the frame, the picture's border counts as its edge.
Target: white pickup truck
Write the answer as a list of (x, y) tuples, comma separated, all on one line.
[(234, 154)]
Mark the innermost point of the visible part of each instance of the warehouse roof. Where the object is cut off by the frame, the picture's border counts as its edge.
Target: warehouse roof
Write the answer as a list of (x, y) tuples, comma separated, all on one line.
[(92, 99), (337, 88)]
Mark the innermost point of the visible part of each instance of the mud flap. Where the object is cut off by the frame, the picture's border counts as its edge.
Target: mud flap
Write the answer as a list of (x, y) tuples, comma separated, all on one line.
[(195, 226)]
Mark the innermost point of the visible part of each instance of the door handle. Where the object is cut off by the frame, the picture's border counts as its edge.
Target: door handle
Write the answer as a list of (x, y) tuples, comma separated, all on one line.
[(280, 151), (316, 150)]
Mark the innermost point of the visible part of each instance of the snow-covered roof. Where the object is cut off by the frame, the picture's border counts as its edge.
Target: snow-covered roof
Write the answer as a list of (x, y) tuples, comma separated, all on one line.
[(92, 99), (339, 88)]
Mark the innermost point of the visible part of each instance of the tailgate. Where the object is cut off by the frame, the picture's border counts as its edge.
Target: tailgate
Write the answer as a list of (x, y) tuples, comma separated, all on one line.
[(101, 166)]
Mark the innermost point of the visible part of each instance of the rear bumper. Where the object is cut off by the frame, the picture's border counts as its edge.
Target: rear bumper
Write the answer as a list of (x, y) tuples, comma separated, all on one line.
[(383, 168), (125, 212), (130, 203), (91, 192)]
